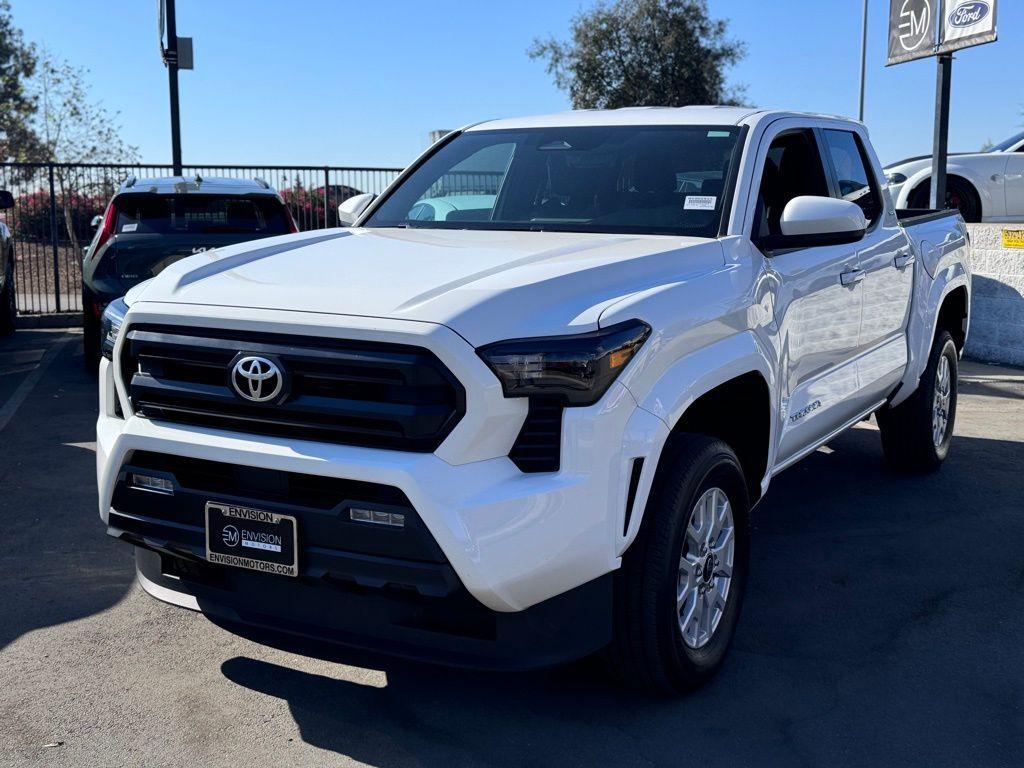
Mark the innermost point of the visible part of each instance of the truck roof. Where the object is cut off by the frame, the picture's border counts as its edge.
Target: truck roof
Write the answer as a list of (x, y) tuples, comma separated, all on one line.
[(690, 115), (172, 185)]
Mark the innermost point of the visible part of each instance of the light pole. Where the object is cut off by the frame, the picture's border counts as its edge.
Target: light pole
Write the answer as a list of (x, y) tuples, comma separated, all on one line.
[(863, 61), (176, 56), (171, 59)]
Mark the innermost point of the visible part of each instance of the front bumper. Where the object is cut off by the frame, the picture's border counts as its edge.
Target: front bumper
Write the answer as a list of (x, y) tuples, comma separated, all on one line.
[(513, 540), (456, 630)]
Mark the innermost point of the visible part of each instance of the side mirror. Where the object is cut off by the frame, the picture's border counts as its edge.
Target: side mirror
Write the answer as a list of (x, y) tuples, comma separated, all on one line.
[(97, 221), (809, 220), (350, 210), (6, 200)]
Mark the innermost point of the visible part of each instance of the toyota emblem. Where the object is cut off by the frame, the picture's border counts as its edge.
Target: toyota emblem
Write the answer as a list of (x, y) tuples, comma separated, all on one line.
[(257, 379)]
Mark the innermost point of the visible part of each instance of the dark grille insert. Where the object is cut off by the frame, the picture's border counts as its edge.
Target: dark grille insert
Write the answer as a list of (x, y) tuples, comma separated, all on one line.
[(320, 504), (538, 446), (340, 391)]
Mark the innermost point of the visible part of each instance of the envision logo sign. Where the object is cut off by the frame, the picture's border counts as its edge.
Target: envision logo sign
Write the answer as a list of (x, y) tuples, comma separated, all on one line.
[(915, 27), (911, 29), (921, 28)]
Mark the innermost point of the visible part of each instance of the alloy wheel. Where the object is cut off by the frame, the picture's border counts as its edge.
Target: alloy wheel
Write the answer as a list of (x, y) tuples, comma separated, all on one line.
[(705, 568), (940, 403)]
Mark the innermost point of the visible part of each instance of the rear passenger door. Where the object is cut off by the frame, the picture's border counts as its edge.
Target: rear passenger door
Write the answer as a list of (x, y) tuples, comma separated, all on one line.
[(885, 259), (817, 295)]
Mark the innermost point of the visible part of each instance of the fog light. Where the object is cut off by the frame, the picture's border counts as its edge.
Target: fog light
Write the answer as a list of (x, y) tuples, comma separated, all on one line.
[(153, 484), (377, 517)]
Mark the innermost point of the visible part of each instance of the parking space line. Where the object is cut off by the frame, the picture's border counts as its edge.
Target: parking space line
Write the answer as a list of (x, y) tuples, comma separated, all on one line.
[(18, 396)]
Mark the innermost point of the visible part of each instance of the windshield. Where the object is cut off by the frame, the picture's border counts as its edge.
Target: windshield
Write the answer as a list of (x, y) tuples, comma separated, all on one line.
[(632, 179), (152, 214), (1010, 143)]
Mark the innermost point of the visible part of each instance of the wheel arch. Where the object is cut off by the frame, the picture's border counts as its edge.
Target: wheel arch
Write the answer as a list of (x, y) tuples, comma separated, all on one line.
[(948, 303), (733, 376), (737, 412), (983, 197), (953, 316)]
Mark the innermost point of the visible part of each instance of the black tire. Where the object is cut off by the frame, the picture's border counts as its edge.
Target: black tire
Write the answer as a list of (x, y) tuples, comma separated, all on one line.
[(648, 650), (90, 335), (960, 194), (908, 430), (8, 302)]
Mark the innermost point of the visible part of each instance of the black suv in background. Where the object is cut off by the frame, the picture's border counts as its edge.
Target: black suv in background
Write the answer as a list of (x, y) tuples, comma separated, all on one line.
[(151, 223)]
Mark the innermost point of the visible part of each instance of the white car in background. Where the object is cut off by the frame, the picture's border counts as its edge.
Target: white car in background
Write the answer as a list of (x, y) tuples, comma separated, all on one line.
[(984, 186)]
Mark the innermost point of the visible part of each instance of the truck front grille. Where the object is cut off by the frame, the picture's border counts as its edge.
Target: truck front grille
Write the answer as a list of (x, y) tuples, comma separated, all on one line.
[(339, 391)]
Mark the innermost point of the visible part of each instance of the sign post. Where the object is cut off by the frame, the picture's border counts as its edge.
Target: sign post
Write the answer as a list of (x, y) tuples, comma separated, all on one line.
[(923, 28), (176, 55)]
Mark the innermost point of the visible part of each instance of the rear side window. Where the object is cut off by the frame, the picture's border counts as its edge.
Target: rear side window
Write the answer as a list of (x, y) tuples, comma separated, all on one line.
[(199, 214), (853, 180)]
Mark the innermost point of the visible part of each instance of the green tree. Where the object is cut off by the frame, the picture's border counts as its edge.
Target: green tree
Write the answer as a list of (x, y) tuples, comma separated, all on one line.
[(630, 53), (18, 140), (75, 129)]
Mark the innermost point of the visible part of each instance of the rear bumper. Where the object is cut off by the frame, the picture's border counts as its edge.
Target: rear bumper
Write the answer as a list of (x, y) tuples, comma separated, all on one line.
[(455, 630)]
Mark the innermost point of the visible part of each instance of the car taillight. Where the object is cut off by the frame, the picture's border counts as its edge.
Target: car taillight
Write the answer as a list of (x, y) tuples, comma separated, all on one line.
[(292, 226), (109, 216)]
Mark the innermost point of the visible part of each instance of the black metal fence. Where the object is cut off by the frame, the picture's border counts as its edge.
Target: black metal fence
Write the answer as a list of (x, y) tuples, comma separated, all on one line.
[(56, 202)]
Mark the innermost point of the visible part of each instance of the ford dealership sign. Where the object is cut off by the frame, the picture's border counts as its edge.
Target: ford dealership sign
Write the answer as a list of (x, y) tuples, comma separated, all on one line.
[(914, 26), (966, 23), (968, 14)]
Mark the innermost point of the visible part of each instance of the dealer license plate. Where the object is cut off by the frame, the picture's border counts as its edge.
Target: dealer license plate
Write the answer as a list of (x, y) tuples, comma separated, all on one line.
[(243, 537)]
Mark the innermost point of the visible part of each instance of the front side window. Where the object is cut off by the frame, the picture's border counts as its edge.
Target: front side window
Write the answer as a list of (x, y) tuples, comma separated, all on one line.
[(792, 168), (852, 177), (630, 179)]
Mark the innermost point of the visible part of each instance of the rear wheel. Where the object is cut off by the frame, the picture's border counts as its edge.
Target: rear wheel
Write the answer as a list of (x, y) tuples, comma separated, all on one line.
[(960, 195), (678, 594), (8, 302), (916, 434)]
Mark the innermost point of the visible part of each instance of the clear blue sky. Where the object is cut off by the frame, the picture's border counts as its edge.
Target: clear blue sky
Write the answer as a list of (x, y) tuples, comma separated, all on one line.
[(341, 82)]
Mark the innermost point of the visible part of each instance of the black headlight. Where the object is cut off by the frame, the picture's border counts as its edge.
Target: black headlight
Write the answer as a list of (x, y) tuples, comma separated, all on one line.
[(578, 368), (110, 326)]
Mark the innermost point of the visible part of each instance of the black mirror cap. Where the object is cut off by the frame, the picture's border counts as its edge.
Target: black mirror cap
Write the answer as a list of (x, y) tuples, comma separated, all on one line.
[(6, 200)]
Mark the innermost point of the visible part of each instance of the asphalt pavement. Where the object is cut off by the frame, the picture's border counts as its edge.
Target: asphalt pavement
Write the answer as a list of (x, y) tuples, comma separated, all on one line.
[(883, 626)]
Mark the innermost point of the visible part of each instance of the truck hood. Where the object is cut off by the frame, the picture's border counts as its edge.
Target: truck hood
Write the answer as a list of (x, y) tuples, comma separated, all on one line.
[(486, 286)]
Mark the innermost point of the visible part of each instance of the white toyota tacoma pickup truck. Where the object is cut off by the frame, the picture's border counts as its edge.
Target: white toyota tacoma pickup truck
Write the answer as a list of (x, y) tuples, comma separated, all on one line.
[(520, 411)]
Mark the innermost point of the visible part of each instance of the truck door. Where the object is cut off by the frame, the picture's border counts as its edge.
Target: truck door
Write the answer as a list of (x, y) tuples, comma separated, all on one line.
[(886, 260), (818, 297)]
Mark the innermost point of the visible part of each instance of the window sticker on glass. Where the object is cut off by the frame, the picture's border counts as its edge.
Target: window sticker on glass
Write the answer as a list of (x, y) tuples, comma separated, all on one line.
[(718, 134), (130, 227), (699, 203)]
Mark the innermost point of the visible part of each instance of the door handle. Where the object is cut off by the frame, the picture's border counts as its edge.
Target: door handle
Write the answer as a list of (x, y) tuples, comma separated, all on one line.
[(903, 260), (851, 276)]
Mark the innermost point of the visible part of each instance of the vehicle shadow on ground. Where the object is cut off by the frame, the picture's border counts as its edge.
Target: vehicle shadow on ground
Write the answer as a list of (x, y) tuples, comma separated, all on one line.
[(882, 626), (56, 564)]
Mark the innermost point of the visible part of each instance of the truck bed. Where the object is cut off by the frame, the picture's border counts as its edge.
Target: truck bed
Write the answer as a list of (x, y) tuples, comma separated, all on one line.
[(911, 216)]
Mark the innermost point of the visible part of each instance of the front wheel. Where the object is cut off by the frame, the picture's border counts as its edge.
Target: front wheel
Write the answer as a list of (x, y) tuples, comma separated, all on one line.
[(678, 593), (916, 434)]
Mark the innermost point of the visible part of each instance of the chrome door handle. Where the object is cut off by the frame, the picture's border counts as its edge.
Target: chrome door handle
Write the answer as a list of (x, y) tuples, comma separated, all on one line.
[(851, 276), (903, 260)]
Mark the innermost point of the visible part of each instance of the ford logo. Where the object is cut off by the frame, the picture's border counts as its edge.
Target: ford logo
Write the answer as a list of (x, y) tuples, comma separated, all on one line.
[(968, 14)]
